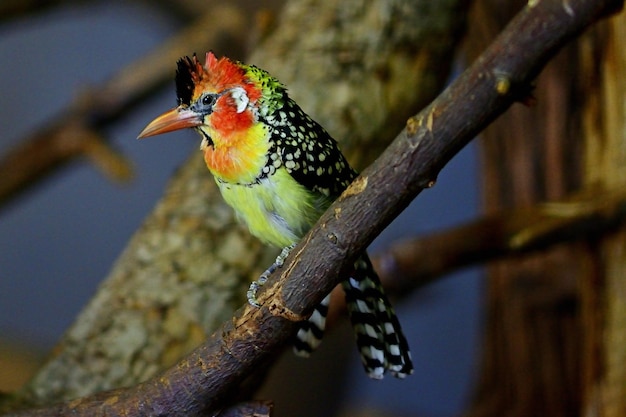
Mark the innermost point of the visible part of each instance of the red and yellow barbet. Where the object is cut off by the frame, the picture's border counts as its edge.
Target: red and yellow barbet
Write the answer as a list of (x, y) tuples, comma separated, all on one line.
[(280, 170)]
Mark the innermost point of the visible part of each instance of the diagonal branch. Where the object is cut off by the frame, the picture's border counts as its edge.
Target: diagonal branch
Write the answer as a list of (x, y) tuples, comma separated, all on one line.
[(203, 381)]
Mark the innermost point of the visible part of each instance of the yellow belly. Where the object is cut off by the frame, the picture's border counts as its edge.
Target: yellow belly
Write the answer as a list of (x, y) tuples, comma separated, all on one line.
[(278, 210)]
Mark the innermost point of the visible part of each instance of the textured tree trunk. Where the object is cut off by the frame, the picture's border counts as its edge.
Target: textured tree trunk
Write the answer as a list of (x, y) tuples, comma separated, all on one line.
[(556, 321)]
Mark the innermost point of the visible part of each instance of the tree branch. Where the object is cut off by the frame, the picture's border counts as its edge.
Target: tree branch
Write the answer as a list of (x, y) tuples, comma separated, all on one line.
[(412, 263), (205, 379)]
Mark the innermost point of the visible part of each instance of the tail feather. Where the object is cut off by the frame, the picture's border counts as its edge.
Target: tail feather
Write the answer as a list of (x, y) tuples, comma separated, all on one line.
[(379, 337), (311, 331)]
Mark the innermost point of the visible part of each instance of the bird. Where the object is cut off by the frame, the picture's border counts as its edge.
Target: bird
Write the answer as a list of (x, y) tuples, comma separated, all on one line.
[(280, 170)]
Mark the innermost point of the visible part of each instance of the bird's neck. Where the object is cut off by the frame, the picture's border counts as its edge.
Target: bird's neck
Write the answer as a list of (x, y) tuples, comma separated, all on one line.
[(237, 156)]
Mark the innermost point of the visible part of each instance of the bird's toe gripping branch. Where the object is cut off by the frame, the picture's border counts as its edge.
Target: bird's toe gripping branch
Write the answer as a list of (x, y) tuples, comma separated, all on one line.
[(256, 285)]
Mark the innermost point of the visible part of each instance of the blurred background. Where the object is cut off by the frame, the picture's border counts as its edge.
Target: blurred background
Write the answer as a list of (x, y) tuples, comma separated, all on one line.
[(59, 239)]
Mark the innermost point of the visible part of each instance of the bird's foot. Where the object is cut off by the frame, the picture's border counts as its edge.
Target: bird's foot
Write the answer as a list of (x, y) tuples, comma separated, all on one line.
[(256, 285)]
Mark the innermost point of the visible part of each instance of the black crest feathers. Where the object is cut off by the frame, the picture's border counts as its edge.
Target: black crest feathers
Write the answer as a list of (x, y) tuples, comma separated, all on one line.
[(187, 74)]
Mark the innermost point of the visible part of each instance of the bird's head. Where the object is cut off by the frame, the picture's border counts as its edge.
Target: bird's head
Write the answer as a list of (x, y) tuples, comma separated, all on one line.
[(218, 99)]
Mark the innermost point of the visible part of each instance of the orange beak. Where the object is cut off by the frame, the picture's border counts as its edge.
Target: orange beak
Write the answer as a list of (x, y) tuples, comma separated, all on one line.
[(175, 119)]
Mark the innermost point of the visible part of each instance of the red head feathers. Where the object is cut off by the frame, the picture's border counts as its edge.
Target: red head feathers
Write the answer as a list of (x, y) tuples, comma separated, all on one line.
[(217, 75)]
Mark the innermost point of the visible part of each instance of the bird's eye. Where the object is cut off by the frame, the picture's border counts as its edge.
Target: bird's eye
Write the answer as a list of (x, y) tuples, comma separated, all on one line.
[(208, 100), (205, 103)]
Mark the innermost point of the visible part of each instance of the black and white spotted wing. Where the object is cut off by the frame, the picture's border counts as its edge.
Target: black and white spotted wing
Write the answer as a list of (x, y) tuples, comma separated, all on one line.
[(308, 152)]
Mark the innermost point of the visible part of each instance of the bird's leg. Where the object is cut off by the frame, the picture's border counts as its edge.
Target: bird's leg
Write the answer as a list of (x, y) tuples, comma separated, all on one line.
[(256, 285)]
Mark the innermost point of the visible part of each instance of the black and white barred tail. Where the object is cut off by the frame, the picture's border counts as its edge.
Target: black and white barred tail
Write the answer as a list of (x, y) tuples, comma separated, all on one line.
[(311, 331), (379, 337)]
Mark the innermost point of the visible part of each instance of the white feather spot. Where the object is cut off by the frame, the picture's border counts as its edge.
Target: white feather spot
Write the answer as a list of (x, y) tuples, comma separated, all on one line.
[(374, 353), (317, 319), (370, 331), (362, 306), (389, 328), (376, 373), (241, 98)]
